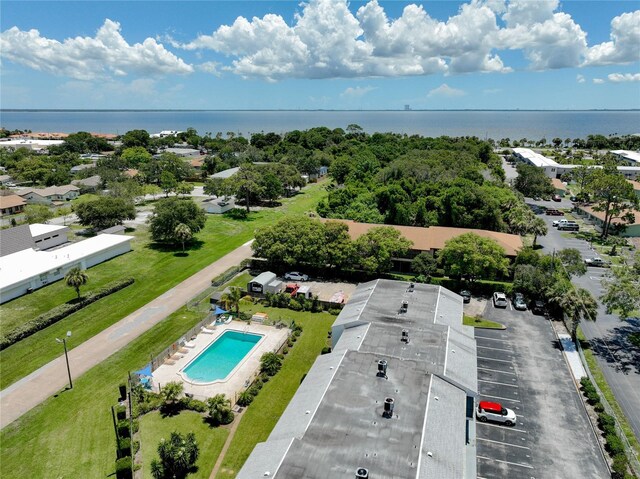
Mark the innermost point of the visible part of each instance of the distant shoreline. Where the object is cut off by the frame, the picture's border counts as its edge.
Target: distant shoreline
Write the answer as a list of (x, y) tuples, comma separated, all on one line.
[(300, 110)]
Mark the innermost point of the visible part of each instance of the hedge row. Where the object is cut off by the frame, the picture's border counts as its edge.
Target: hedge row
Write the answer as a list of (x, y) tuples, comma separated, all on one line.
[(60, 312), (607, 424), (479, 287)]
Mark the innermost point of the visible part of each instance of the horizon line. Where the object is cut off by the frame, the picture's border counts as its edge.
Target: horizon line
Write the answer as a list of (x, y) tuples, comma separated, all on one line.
[(304, 110)]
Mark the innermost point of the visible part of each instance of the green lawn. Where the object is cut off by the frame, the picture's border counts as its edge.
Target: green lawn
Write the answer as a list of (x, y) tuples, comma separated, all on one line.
[(155, 272), (263, 414), (154, 427), (480, 323), (239, 281), (71, 435)]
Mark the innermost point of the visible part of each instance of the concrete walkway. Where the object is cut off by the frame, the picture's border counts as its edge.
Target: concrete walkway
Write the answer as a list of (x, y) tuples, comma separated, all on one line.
[(227, 443), (35, 388)]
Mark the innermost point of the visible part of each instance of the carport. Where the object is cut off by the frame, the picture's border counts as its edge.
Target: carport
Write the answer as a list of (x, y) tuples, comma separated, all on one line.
[(260, 282)]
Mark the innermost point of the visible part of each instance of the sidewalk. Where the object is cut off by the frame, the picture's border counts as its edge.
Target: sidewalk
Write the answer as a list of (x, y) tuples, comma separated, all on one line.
[(33, 389)]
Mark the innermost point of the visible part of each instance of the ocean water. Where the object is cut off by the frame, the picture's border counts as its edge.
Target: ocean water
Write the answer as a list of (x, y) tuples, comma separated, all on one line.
[(483, 124)]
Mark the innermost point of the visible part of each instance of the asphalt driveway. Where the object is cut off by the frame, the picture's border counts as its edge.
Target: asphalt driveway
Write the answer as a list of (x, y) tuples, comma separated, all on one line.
[(523, 368)]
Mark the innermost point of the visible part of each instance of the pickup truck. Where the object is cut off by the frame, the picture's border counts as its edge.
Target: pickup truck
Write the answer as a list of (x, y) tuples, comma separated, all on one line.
[(559, 222), (599, 262)]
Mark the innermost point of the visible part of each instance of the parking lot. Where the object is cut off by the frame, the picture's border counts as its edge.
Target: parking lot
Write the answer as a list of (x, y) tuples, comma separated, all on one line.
[(523, 369)]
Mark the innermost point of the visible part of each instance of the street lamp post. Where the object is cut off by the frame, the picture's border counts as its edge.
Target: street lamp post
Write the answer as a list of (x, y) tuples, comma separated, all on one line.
[(66, 355)]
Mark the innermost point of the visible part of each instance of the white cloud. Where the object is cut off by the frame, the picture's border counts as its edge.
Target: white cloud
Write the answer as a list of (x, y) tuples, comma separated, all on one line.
[(357, 91), (447, 91), (580, 78), (210, 67), (87, 58), (624, 77), (598, 81), (624, 46)]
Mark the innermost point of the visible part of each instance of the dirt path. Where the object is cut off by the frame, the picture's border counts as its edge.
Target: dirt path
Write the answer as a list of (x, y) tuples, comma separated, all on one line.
[(227, 443), (33, 389)]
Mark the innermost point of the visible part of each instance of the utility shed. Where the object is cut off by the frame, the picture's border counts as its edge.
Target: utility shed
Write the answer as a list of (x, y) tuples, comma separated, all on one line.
[(259, 283)]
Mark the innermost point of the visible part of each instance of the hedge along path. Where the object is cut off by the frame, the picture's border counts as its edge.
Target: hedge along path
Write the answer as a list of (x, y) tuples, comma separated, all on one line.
[(60, 312), (33, 389)]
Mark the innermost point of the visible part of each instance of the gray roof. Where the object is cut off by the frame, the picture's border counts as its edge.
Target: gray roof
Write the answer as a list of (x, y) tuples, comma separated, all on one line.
[(92, 181), (15, 239), (113, 230), (226, 173), (334, 424), (264, 278)]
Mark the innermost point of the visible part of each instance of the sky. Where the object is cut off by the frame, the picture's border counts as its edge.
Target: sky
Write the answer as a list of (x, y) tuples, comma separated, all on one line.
[(320, 54)]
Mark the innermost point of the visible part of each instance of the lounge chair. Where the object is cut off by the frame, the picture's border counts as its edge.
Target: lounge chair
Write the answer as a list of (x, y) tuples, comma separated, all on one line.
[(190, 345), (207, 331), (228, 320)]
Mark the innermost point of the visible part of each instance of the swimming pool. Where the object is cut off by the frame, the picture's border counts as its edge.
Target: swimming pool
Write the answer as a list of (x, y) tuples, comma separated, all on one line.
[(221, 357)]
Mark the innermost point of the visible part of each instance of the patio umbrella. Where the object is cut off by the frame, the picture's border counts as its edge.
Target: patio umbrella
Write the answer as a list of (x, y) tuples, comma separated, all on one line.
[(219, 311)]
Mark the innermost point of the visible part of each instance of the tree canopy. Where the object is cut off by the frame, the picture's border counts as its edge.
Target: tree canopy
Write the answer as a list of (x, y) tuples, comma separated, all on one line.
[(472, 256), (169, 213), (104, 212)]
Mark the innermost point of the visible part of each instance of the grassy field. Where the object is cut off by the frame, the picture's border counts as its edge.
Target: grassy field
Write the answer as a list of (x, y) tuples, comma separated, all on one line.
[(156, 270), (480, 323), (153, 427), (71, 435), (263, 414), (606, 391)]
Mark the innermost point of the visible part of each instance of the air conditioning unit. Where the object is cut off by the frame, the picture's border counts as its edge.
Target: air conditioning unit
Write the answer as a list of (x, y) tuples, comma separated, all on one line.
[(362, 473)]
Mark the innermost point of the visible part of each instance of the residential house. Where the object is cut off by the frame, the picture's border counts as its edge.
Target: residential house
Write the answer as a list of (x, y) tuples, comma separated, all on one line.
[(49, 195), (597, 218), (11, 204)]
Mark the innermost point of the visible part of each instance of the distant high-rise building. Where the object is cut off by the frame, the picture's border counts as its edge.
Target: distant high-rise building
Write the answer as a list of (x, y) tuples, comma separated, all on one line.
[(407, 107)]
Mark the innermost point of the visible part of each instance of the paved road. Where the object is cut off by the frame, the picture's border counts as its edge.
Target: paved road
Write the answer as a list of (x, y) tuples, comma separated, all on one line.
[(523, 369), (608, 335), (30, 391)]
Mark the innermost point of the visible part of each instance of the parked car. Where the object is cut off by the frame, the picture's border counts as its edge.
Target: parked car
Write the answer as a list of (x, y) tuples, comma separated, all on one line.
[(519, 302), (557, 222), (291, 289), (295, 276), (569, 226), (500, 300), (556, 198), (466, 296), (493, 411), (552, 212), (596, 261), (537, 307)]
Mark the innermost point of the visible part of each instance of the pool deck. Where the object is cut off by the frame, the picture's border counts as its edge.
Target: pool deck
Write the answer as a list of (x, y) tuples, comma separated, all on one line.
[(239, 378)]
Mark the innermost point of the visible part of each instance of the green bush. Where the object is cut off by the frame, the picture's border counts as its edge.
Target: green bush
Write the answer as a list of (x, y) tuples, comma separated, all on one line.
[(295, 305), (136, 447), (193, 404), (289, 343), (264, 377), (599, 407), (245, 398), (619, 466), (123, 429), (123, 468), (285, 350), (121, 412), (125, 446), (253, 391), (614, 445), (334, 311), (60, 312), (607, 423), (325, 350), (237, 214)]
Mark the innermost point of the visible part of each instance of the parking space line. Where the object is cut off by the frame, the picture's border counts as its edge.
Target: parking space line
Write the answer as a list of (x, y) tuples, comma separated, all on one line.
[(505, 462), (503, 443), (504, 428), (499, 384), (494, 349), (494, 359), (490, 339), (497, 371), (499, 397)]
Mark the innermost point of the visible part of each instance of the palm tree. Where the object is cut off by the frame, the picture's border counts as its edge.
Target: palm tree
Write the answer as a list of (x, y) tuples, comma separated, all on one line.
[(219, 408), (177, 456), (233, 298), (538, 228), (76, 278), (172, 391), (183, 234), (270, 363), (581, 305)]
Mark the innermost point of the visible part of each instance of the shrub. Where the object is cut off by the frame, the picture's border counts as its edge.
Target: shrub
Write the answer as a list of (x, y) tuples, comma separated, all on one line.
[(123, 429), (125, 446), (123, 468), (599, 407), (60, 312), (253, 391), (193, 404), (289, 342), (614, 444), (121, 412), (334, 311), (296, 334), (237, 214), (270, 363), (245, 398), (619, 466), (136, 447), (264, 377), (606, 423), (285, 350), (295, 305), (325, 350)]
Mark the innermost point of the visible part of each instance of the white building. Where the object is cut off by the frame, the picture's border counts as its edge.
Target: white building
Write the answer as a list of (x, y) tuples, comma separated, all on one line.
[(631, 158), (553, 169), (35, 145), (27, 270)]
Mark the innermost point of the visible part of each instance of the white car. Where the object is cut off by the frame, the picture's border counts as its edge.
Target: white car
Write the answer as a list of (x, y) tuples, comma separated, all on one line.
[(500, 300), (295, 276), (491, 411)]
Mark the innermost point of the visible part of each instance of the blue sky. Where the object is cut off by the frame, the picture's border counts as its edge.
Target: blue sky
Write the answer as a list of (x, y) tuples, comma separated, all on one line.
[(320, 54)]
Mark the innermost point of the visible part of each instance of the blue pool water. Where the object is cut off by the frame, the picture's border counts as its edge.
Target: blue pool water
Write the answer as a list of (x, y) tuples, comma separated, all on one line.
[(219, 359)]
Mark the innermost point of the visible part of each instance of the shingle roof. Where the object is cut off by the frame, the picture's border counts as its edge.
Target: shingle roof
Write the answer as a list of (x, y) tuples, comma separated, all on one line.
[(11, 201), (435, 237), (600, 215), (15, 239)]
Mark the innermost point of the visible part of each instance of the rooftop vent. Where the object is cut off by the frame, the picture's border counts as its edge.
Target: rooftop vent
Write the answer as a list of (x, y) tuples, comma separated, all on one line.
[(405, 336), (362, 473), (404, 307), (388, 407), (382, 369)]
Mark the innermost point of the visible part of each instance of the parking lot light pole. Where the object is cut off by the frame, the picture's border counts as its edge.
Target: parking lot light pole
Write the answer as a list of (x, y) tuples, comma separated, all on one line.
[(66, 355)]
